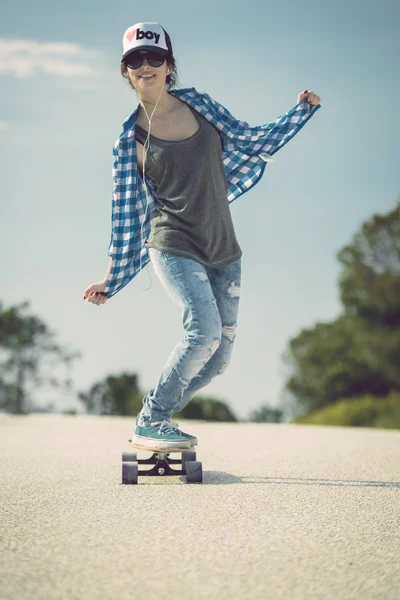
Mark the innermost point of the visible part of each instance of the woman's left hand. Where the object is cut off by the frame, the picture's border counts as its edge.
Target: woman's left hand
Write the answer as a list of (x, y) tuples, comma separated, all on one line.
[(95, 293), (311, 98)]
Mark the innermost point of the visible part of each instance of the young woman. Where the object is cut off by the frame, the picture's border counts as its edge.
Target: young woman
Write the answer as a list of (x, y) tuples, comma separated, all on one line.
[(181, 159)]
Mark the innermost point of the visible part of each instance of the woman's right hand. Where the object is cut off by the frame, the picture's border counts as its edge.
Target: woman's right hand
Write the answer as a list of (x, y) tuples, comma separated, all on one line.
[(95, 293)]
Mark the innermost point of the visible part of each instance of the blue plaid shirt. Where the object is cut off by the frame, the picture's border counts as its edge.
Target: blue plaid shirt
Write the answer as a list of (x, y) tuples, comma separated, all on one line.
[(245, 150)]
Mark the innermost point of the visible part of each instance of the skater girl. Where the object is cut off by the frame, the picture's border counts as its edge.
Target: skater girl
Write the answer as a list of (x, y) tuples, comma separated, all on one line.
[(179, 162)]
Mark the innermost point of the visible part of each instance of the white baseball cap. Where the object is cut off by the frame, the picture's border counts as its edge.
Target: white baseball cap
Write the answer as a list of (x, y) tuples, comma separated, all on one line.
[(144, 36)]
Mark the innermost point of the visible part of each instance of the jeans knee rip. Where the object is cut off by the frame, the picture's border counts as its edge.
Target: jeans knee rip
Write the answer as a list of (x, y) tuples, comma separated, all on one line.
[(234, 290), (229, 332), (202, 276)]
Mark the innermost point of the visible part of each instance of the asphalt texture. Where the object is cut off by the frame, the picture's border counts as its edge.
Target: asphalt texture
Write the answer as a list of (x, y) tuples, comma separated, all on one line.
[(284, 511)]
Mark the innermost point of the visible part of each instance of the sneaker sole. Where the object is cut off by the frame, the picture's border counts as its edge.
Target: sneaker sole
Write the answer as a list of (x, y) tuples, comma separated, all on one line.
[(153, 444)]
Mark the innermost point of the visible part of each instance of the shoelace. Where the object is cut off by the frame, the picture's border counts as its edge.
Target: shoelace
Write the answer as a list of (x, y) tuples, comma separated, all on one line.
[(166, 426)]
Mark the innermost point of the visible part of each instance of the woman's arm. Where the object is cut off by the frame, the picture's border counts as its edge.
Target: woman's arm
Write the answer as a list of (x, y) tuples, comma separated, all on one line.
[(108, 271), (95, 292)]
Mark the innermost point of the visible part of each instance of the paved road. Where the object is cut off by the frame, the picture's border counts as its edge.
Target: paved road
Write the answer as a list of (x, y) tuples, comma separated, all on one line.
[(285, 511)]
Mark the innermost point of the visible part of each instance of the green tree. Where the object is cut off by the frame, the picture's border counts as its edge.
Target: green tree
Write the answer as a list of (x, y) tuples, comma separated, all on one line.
[(266, 414), (114, 395), (345, 358), (370, 277), (358, 353), (29, 357)]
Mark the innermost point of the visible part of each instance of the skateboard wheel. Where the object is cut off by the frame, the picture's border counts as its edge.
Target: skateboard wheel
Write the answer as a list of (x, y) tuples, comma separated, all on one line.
[(187, 456), (129, 457), (130, 472), (194, 471)]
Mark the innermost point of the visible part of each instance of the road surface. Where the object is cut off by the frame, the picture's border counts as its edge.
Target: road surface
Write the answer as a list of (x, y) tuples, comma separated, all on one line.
[(287, 512)]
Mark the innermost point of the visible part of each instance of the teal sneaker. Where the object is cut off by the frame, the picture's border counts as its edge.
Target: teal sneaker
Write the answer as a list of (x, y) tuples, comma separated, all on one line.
[(160, 434), (192, 439)]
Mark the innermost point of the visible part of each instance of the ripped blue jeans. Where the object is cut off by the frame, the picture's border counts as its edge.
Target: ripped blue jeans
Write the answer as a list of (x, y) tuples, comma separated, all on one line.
[(208, 300)]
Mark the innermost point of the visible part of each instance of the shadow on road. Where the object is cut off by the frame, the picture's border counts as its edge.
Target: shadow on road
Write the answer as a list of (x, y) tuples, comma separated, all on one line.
[(220, 478)]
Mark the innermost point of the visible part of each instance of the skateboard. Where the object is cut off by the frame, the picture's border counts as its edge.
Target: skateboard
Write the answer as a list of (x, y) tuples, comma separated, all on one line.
[(191, 468)]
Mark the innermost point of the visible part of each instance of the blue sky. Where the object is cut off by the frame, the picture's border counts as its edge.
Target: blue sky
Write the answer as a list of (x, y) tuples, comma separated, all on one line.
[(62, 104)]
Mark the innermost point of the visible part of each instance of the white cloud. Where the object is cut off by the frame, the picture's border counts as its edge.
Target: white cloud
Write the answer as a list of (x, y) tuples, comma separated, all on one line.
[(4, 126), (25, 58)]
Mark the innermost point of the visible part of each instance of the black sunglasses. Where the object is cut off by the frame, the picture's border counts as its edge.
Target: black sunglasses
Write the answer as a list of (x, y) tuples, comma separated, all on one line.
[(135, 60)]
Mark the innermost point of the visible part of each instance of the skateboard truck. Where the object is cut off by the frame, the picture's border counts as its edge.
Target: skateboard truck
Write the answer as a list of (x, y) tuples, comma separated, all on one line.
[(161, 461)]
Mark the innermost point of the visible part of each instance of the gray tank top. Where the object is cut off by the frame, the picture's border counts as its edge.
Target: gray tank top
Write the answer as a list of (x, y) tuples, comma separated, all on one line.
[(193, 217)]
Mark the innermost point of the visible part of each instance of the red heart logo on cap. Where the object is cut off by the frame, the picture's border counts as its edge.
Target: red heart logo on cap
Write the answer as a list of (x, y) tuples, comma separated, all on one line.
[(131, 34)]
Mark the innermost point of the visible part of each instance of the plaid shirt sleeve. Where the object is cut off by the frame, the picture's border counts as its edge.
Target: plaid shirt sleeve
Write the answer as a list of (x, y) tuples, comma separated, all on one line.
[(111, 248), (132, 205), (246, 149), (259, 139), (122, 246)]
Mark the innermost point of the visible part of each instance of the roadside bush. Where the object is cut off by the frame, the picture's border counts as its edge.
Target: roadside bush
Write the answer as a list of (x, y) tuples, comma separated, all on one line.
[(364, 411)]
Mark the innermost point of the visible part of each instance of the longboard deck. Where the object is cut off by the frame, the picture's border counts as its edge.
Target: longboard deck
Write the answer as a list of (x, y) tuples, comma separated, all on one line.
[(164, 450)]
